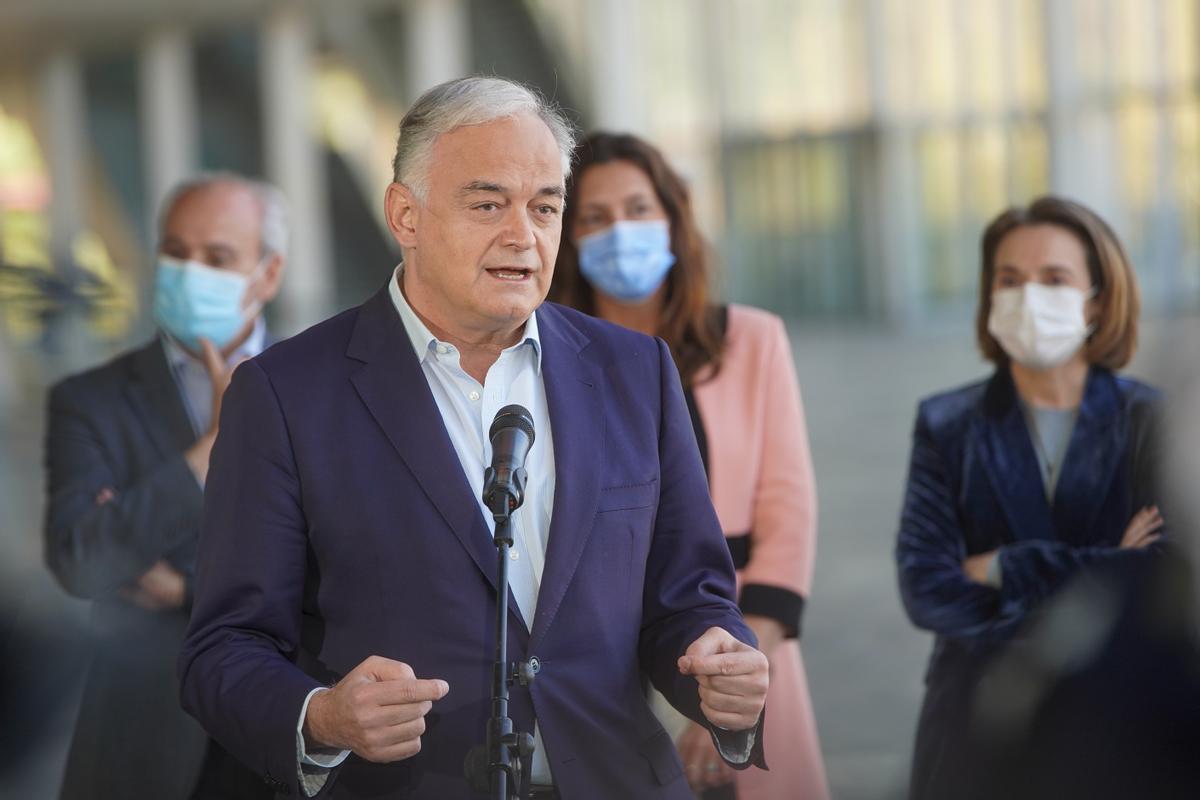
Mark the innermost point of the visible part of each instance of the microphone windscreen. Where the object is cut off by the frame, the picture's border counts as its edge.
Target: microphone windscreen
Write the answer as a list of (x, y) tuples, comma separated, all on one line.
[(513, 416)]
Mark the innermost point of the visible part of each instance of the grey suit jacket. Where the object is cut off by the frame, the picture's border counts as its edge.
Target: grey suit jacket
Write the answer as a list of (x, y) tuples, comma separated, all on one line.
[(122, 427)]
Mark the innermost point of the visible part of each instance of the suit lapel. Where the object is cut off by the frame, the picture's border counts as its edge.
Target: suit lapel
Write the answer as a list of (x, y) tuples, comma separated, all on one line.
[(576, 406), (392, 385), (155, 397), (1092, 458), (1010, 462)]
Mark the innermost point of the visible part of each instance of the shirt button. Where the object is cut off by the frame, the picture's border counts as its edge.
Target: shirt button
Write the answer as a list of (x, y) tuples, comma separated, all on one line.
[(514, 555), (474, 396)]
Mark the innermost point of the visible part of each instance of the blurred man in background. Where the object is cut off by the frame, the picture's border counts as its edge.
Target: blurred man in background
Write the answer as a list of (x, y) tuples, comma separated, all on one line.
[(127, 455)]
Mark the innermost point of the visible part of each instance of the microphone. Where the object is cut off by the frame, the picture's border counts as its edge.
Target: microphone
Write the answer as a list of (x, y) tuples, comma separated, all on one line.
[(504, 481)]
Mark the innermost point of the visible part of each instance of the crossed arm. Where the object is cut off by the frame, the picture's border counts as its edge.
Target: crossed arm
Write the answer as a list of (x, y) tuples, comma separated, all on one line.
[(950, 593)]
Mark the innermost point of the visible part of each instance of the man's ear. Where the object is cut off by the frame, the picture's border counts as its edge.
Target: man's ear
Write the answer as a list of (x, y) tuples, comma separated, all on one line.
[(271, 279), (402, 210)]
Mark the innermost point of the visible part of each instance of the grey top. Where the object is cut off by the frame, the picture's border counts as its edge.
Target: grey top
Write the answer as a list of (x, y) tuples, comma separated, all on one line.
[(1050, 431)]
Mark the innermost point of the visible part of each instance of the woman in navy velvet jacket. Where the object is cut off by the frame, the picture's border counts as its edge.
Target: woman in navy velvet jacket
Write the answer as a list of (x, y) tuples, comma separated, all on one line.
[(1017, 482)]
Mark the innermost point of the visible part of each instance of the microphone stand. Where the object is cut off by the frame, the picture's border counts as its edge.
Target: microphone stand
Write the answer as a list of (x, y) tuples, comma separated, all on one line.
[(506, 749)]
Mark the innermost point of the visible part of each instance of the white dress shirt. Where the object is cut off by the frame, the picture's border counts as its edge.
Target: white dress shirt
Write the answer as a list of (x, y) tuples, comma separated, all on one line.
[(192, 378)]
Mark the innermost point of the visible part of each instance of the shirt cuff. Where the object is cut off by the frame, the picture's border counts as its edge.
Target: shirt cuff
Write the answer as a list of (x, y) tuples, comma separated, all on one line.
[(735, 747), (313, 768), (995, 572)]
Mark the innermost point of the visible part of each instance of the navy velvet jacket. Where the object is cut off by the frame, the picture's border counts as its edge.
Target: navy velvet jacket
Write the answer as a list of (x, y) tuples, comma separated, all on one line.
[(974, 485)]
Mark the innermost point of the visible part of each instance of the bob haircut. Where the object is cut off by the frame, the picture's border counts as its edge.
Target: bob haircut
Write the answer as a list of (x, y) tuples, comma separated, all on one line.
[(690, 324), (1113, 340)]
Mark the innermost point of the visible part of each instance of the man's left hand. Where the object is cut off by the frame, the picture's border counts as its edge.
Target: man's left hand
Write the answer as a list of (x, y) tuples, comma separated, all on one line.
[(733, 679)]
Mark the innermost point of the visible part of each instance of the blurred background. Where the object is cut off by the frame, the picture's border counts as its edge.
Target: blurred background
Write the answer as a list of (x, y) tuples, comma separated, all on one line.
[(844, 156)]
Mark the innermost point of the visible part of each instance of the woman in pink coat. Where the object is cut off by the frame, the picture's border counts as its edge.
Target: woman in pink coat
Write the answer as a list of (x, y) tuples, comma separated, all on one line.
[(631, 254)]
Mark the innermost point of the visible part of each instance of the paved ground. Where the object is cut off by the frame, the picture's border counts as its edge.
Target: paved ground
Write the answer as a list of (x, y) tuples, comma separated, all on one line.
[(864, 659), (860, 387), (43, 633)]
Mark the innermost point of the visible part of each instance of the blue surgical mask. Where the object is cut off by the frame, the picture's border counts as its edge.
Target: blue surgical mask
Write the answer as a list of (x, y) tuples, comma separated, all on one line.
[(192, 300), (628, 261)]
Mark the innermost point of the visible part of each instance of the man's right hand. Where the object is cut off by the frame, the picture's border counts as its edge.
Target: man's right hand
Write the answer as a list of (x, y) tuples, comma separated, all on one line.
[(377, 711), (220, 374)]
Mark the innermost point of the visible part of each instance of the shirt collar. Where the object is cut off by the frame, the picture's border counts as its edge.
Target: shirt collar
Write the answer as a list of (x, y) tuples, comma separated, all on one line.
[(424, 342), (178, 357)]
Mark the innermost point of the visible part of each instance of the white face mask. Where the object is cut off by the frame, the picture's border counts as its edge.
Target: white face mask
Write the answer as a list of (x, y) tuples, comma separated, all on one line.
[(1040, 327)]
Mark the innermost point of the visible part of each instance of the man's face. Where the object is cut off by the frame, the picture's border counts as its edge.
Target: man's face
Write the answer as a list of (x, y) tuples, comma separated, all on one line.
[(219, 224), (480, 249)]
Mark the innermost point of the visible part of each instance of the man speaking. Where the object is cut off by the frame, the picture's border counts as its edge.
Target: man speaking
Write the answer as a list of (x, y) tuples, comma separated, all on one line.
[(342, 634)]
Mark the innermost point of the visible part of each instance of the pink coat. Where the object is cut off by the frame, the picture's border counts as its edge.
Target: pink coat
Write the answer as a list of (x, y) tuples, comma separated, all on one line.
[(762, 483)]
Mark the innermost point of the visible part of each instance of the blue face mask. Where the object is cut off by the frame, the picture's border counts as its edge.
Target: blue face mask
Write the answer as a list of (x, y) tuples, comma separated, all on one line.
[(628, 261), (192, 300)]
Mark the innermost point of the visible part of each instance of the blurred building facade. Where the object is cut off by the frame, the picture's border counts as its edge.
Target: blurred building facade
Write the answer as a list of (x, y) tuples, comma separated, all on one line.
[(104, 106), (850, 151), (845, 154), (844, 157)]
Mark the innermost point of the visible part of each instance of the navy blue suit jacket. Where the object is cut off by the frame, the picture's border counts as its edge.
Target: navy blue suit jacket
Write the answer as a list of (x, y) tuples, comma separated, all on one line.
[(974, 485), (338, 524), (123, 427)]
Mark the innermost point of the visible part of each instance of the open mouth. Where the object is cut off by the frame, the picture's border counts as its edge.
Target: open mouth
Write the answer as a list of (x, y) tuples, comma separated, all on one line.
[(510, 274)]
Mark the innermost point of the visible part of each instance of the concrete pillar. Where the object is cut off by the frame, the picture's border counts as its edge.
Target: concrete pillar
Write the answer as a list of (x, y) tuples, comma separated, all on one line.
[(167, 100), (68, 343), (1083, 145), (437, 43), (894, 274), (295, 163), (65, 130), (616, 82), (168, 115), (1164, 288)]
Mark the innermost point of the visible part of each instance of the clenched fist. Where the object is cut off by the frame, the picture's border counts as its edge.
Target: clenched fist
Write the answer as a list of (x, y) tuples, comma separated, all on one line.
[(377, 711), (733, 679)]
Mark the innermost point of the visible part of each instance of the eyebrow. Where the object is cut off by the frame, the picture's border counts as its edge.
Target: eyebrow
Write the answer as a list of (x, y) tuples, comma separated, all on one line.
[(639, 194), (1053, 267), (482, 186), (212, 246), (496, 188)]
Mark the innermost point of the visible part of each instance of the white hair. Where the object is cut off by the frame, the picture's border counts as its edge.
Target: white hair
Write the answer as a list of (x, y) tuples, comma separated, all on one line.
[(469, 101), (273, 227)]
